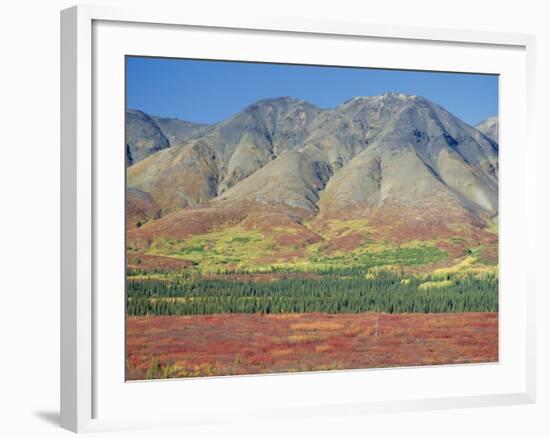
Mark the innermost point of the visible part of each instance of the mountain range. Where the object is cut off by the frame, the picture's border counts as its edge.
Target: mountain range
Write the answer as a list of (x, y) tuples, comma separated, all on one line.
[(392, 167)]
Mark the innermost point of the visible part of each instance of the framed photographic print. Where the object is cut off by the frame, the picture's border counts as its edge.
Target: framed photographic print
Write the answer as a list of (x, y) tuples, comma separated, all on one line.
[(290, 218)]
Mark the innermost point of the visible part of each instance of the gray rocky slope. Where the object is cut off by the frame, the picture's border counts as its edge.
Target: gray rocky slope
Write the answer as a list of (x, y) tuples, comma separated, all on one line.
[(391, 149)]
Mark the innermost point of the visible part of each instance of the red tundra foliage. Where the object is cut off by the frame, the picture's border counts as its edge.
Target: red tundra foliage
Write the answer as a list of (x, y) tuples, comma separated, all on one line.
[(231, 344)]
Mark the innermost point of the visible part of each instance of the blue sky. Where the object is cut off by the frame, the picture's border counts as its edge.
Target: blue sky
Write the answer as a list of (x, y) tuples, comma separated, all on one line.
[(210, 91)]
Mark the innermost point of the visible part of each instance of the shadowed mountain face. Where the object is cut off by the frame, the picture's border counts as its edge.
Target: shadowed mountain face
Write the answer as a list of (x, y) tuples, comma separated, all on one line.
[(396, 161), (147, 134), (143, 137), (489, 127)]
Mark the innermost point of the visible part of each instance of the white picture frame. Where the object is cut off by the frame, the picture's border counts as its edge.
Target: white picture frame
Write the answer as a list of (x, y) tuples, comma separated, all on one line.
[(85, 177)]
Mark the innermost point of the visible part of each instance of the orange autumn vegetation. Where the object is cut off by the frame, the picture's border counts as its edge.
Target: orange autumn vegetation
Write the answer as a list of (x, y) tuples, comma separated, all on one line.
[(232, 344)]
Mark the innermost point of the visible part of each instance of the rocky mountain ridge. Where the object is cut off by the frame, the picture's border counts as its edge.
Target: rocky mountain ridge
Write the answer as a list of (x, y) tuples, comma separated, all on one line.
[(367, 151)]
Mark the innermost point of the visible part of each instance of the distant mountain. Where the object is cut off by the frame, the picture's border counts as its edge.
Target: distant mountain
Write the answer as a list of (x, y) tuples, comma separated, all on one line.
[(178, 131), (258, 134), (402, 165), (414, 152), (147, 134), (366, 137), (197, 170), (489, 127), (143, 136)]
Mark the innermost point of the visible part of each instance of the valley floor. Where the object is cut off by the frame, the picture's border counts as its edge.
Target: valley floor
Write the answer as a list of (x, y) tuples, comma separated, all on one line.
[(233, 344)]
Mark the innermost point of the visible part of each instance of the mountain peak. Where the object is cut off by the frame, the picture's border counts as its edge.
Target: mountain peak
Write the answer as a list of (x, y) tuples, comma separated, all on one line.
[(492, 119), (385, 98), (279, 99), (489, 127), (279, 103), (400, 96)]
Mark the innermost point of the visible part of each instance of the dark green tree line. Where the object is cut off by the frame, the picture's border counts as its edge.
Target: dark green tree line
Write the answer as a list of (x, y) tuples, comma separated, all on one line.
[(331, 294)]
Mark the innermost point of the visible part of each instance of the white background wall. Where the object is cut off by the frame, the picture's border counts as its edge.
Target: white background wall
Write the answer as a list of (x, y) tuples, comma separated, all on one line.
[(29, 218)]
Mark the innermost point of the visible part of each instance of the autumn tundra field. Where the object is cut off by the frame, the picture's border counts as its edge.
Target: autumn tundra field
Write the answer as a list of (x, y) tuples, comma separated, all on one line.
[(232, 344), (335, 316), (225, 303)]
